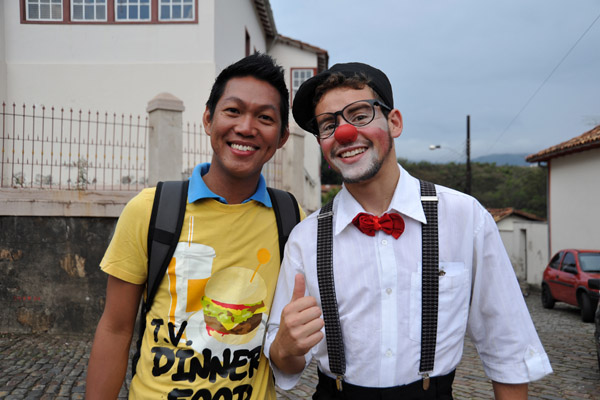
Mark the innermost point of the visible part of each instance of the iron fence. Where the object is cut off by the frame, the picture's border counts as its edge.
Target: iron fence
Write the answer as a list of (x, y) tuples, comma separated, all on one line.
[(72, 150)]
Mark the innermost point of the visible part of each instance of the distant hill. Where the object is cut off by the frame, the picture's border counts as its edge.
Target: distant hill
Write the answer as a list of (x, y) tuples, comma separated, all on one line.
[(504, 159)]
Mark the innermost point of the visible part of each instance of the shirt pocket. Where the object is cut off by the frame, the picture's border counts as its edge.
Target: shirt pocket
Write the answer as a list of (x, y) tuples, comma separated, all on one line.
[(453, 303)]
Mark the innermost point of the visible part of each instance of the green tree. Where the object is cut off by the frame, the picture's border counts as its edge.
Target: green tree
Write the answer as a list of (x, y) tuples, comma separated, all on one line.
[(523, 188)]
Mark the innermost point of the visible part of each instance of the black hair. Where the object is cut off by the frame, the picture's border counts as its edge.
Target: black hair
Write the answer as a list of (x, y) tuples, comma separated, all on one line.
[(259, 66)]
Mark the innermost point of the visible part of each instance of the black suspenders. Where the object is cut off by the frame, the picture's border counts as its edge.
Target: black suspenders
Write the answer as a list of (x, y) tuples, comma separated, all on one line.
[(333, 332), (429, 280), (430, 284)]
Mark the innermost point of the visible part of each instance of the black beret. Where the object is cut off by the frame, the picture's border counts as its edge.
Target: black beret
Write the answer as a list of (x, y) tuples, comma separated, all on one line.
[(303, 109)]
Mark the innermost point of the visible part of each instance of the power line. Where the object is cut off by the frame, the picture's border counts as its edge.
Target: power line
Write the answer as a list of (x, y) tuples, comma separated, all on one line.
[(544, 82)]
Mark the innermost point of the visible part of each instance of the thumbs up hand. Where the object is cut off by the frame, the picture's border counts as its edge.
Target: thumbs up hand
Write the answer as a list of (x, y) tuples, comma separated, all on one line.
[(299, 287), (299, 330)]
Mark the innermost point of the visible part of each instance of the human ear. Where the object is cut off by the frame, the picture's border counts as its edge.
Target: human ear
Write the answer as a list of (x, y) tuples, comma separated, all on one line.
[(206, 121), (395, 123)]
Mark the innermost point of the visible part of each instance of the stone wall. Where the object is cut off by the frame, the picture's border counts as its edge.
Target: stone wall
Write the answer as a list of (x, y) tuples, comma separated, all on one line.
[(51, 280)]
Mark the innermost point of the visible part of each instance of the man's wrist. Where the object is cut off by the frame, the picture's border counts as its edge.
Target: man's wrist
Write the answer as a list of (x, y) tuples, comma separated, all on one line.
[(286, 362)]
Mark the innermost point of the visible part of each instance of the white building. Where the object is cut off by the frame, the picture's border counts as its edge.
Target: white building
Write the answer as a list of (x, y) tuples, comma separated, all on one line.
[(115, 56), (573, 191), (525, 237)]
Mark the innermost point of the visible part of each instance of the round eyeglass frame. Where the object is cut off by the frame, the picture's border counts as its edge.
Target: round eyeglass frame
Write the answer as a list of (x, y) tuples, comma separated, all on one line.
[(372, 102)]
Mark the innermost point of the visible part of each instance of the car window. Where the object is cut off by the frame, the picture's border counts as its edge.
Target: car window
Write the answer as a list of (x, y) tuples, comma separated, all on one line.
[(589, 262), (555, 261), (568, 261)]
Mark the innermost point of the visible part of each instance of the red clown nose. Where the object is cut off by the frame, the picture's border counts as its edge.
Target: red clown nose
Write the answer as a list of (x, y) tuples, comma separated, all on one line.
[(346, 133)]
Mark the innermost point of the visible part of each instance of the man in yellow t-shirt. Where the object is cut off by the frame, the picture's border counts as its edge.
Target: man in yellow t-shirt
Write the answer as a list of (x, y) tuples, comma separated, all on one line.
[(204, 332)]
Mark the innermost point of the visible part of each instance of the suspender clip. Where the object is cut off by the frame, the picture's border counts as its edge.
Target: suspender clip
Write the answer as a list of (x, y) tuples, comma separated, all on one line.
[(338, 382), (429, 198), (425, 380), (325, 214)]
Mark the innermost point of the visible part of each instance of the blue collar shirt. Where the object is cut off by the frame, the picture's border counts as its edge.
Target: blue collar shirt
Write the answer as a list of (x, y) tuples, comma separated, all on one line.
[(198, 189)]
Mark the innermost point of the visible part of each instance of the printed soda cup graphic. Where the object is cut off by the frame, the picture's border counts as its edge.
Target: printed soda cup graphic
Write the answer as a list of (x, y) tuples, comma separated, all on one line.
[(233, 304), (198, 276), (188, 278)]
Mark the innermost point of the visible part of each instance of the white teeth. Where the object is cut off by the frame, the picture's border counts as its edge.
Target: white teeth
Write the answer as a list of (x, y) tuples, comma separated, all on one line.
[(242, 147), (353, 152)]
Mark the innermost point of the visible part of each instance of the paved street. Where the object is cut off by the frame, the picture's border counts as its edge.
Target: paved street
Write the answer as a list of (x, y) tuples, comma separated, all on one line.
[(53, 367)]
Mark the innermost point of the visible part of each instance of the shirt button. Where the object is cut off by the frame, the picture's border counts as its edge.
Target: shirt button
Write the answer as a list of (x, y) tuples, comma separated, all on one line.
[(384, 242), (388, 291), (388, 353)]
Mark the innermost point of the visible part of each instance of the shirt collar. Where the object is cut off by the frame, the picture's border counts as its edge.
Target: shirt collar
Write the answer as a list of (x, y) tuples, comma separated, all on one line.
[(406, 201), (198, 189)]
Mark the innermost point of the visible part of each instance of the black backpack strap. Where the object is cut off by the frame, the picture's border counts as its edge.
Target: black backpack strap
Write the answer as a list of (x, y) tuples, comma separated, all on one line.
[(430, 280), (166, 220), (287, 214)]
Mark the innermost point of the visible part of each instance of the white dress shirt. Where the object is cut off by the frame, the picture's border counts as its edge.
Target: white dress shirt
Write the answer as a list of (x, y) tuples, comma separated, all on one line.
[(378, 289)]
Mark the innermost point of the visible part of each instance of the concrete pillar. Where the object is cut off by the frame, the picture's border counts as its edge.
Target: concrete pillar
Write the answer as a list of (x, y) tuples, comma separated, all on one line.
[(165, 143)]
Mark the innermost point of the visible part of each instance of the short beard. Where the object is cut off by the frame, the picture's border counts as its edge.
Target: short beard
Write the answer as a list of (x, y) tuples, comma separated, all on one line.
[(373, 169), (371, 172)]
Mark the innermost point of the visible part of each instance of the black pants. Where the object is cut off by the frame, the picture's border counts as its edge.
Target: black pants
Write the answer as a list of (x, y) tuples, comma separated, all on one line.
[(440, 388)]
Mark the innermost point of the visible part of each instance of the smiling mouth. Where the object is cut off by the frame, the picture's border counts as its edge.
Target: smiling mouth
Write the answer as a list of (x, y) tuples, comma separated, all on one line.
[(352, 153), (242, 147)]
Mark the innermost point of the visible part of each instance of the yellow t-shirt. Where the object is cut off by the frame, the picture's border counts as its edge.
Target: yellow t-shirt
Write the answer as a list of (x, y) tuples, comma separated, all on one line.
[(204, 332)]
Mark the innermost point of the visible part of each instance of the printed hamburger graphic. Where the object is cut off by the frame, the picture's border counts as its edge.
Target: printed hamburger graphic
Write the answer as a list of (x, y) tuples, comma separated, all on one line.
[(233, 304)]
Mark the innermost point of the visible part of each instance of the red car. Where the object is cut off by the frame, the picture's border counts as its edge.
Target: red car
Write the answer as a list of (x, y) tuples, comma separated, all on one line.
[(566, 279)]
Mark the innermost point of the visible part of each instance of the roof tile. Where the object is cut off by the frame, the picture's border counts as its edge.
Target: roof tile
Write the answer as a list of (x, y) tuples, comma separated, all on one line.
[(586, 141)]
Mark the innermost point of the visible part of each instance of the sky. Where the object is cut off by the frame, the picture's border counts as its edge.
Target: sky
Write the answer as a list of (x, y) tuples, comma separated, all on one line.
[(527, 72)]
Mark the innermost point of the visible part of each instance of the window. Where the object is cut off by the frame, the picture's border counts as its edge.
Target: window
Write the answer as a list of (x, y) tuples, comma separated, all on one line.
[(299, 75), (44, 10), (88, 10), (177, 10), (589, 262), (132, 10), (568, 264), (555, 262), (108, 11)]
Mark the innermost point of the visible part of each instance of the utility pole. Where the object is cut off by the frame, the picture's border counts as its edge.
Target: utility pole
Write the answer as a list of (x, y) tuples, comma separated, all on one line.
[(468, 177)]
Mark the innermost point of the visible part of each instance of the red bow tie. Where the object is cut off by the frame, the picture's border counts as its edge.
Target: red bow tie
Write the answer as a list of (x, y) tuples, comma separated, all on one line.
[(390, 223)]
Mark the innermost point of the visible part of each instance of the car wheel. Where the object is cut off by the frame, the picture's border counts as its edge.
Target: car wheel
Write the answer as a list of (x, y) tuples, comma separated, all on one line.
[(547, 299), (587, 311)]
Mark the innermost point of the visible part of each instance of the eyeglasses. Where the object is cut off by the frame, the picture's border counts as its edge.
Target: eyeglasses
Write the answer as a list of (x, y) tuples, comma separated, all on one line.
[(359, 113)]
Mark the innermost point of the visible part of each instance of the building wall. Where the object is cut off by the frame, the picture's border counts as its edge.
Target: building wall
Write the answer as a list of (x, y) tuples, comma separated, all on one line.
[(120, 66), (2, 54), (506, 229), (530, 241), (292, 57), (233, 19), (574, 193), (526, 243)]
